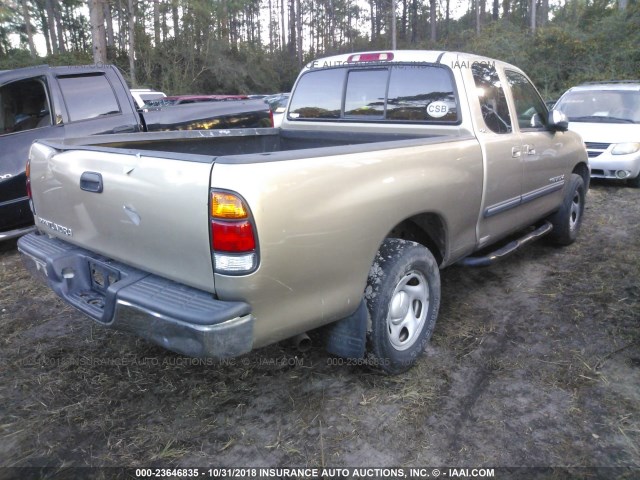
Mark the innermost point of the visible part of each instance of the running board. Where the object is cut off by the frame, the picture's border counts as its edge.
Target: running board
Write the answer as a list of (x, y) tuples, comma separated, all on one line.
[(508, 249)]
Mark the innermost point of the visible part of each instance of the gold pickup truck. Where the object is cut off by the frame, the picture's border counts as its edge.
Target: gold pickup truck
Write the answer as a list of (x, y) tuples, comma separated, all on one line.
[(388, 167)]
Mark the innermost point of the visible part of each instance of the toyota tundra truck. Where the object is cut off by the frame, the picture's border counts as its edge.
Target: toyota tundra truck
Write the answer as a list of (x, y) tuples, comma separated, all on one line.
[(388, 167)]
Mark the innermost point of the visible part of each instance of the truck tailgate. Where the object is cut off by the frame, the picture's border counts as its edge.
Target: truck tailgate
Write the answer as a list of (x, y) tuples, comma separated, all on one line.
[(140, 210)]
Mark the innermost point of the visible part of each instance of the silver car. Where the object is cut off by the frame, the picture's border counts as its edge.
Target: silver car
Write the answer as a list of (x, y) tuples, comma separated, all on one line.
[(607, 116)]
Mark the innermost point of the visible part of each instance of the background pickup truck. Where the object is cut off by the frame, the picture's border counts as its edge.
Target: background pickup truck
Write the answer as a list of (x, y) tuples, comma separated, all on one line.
[(388, 167), (50, 102)]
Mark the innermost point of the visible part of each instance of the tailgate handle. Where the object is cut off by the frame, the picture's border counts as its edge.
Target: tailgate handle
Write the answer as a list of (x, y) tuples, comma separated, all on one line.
[(91, 182)]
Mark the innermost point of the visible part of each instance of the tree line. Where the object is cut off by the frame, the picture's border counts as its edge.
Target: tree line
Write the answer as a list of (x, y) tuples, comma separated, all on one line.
[(247, 46)]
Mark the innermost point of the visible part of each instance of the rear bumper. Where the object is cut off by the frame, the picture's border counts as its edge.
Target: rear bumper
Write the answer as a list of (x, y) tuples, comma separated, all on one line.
[(177, 317)]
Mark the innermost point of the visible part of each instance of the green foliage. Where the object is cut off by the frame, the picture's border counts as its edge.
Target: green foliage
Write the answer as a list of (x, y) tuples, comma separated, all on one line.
[(17, 58), (224, 47), (246, 69), (583, 42), (21, 58)]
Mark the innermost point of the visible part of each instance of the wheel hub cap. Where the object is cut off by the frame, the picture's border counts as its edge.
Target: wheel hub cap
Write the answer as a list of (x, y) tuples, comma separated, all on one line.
[(574, 214), (408, 310)]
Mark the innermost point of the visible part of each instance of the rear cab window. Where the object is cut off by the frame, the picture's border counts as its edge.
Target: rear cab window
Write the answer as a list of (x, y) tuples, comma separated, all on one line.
[(400, 93), (88, 96)]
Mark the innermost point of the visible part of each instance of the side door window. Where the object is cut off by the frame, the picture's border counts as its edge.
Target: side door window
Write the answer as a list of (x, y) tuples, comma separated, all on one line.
[(24, 105), (530, 108), (25, 115)]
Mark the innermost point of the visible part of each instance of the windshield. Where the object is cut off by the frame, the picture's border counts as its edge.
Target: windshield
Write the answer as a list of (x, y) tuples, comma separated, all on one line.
[(601, 106)]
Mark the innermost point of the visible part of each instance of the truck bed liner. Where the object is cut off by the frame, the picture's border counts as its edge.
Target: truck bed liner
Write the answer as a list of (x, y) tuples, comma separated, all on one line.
[(258, 145)]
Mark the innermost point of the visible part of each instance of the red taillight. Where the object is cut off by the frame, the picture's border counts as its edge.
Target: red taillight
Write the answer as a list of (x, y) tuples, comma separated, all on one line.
[(370, 57), (271, 117), (232, 237)]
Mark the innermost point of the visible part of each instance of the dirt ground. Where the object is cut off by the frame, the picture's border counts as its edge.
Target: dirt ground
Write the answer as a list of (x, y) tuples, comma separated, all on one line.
[(534, 362)]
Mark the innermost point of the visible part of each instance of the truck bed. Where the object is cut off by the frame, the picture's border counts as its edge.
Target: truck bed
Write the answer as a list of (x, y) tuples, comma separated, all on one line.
[(251, 145), (153, 188)]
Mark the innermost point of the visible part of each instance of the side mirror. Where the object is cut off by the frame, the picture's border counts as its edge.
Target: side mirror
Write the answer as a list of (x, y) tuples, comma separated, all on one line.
[(557, 121)]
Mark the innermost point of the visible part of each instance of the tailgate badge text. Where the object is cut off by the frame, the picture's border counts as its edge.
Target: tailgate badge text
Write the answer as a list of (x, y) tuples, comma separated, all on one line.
[(56, 227)]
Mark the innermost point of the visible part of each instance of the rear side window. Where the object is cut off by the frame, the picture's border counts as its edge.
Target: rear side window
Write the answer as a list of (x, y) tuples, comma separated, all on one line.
[(493, 102), (88, 96), (399, 93)]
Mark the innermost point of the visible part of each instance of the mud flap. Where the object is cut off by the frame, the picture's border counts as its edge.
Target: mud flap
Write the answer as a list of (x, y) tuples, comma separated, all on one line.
[(347, 338)]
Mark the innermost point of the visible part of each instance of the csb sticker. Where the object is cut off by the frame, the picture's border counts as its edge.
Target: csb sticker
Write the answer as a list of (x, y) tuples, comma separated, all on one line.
[(437, 109)]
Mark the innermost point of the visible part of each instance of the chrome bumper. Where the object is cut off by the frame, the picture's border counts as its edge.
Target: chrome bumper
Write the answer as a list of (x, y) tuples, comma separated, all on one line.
[(174, 316), (18, 232)]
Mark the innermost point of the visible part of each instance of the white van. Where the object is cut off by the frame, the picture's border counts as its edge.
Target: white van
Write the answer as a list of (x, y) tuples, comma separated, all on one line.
[(607, 116)]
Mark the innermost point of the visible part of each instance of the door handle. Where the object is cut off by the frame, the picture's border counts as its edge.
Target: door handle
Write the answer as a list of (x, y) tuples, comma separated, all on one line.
[(516, 152), (91, 182), (529, 150)]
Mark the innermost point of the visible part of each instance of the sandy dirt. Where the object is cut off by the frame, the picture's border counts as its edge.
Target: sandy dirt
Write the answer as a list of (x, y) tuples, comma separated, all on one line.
[(534, 361)]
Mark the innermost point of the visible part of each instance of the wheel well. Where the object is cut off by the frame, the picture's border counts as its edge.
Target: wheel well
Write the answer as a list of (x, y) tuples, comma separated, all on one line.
[(582, 170), (426, 229)]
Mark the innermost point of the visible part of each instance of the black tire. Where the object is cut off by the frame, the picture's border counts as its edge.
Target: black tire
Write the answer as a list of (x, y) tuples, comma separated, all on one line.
[(404, 277), (567, 221), (634, 182)]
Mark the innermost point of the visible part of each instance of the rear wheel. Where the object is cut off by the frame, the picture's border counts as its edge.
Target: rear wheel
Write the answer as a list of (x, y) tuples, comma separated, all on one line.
[(567, 221), (403, 297)]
